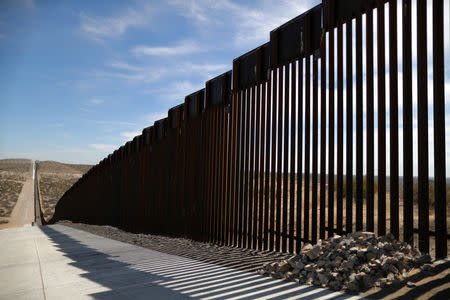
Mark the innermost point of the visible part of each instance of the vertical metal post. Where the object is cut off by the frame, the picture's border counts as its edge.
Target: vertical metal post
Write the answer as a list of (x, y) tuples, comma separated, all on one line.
[(407, 124), (381, 121), (359, 126), (370, 123), (315, 100), (340, 138), (299, 154), (331, 133), (422, 126), (293, 154), (439, 130), (393, 115)]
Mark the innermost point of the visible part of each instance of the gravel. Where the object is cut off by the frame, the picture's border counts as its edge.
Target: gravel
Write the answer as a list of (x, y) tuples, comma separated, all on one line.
[(238, 258), (352, 263)]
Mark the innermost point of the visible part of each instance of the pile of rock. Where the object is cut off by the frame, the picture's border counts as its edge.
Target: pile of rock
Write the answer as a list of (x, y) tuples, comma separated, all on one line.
[(354, 262)]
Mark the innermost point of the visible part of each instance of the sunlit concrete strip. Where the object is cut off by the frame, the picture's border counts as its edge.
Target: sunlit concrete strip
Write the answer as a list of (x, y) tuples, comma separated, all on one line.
[(284, 292), (175, 283), (189, 272), (172, 267), (251, 294), (232, 287), (227, 284), (208, 284), (59, 262), (207, 279), (252, 287)]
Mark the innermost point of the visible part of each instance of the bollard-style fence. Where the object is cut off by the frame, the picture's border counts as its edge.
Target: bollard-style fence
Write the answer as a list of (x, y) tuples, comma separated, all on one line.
[(245, 161)]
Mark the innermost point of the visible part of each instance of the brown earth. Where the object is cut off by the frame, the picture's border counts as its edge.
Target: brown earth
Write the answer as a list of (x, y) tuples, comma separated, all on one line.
[(13, 174), (55, 179)]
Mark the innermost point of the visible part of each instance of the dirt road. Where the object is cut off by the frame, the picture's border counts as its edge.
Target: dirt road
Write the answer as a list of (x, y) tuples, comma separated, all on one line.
[(23, 212)]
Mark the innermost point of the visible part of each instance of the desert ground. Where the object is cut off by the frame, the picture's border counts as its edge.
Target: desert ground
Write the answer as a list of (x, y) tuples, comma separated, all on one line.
[(13, 175), (55, 179)]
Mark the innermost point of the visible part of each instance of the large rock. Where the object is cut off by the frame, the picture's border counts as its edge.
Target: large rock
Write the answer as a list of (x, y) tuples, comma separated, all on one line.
[(313, 253)]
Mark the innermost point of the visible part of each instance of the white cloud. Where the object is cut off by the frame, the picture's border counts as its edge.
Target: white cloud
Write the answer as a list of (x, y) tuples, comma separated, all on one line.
[(96, 101), (174, 93), (103, 147), (99, 28), (129, 135), (184, 47), (251, 25), (154, 116)]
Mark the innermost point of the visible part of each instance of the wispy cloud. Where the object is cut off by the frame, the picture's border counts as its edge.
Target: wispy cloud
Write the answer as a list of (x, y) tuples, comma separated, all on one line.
[(99, 28), (129, 135), (154, 116), (182, 48), (96, 101), (103, 147), (175, 92), (250, 25), (2, 36), (121, 123)]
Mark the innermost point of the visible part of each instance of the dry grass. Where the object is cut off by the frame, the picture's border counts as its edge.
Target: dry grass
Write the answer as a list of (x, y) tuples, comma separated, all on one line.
[(54, 180), (13, 174), (317, 211), (9, 193)]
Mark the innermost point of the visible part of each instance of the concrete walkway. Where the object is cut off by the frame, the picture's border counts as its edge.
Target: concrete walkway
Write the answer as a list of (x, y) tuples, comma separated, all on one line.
[(59, 262)]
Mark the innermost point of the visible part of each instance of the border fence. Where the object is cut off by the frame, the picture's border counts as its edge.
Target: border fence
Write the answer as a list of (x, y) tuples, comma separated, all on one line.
[(245, 161)]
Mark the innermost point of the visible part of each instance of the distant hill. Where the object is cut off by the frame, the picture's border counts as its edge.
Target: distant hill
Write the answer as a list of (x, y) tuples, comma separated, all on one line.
[(55, 179), (60, 168)]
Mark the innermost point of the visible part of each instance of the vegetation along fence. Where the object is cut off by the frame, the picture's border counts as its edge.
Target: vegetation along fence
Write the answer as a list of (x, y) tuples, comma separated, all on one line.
[(245, 161)]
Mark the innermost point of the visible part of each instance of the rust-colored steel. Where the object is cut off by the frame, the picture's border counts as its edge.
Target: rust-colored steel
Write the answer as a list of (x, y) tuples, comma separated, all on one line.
[(267, 100), (349, 125), (233, 173), (359, 126), (315, 111), (262, 229), (340, 137), (251, 202), (407, 125), (323, 139), (439, 129), (393, 121), (240, 170), (331, 133), (278, 172), (285, 159), (422, 127), (299, 155), (273, 158), (293, 114), (381, 121), (306, 181), (257, 188), (245, 201), (370, 123)]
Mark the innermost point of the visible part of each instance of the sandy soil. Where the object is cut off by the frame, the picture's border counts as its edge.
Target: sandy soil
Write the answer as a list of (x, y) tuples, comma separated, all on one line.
[(14, 173), (54, 180)]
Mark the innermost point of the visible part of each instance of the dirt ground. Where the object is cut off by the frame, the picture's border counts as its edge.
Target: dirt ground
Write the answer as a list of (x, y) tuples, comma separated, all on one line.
[(54, 180), (317, 210), (13, 174), (433, 284)]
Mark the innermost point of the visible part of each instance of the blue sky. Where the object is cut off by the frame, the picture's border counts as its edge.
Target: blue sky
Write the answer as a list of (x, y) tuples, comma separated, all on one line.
[(79, 78)]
